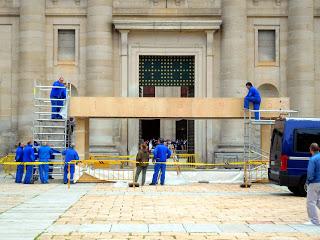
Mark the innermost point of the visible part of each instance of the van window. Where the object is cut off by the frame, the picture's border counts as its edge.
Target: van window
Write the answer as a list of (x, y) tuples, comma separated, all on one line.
[(304, 137), (276, 143)]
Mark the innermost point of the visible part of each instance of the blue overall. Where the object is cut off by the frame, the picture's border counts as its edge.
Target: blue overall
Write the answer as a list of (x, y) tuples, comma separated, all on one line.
[(44, 154), (28, 156), (253, 97), (57, 93), (70, 155), (20, 168), (161, 154)]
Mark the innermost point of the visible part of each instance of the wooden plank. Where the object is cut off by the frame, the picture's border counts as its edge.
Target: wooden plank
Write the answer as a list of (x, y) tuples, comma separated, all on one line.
[(187, 108)]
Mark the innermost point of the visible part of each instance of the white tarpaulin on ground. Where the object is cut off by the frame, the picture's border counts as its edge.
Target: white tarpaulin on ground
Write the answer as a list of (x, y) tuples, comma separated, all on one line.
[(185, 177)]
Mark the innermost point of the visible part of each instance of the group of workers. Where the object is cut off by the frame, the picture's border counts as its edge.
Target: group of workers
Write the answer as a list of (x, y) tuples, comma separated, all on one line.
[(27, 154)]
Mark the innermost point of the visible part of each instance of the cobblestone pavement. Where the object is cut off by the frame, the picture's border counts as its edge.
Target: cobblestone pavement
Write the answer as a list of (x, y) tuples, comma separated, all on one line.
[(195, 211)]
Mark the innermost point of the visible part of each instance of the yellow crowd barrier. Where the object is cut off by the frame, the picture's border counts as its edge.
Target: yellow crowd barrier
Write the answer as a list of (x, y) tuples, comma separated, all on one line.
[(124, 167)]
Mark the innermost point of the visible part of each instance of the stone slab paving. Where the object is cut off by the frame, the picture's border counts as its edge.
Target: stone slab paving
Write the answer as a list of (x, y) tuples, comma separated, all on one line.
[(28, 219), (195, 211)]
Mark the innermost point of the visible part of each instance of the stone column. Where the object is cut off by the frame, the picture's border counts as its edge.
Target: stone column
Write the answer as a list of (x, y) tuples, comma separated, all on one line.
[(233, 64), (300, 71), (32, 61), (124, 87), (210, 93), (99, 66)]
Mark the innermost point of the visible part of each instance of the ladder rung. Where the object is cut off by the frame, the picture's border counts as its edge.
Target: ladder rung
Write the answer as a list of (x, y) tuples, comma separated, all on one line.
[(49, 99), (39, 126), (50, 120), (50, 140), (46, 113), (47, 105), (49, 89), (39, 86), (49, 133)]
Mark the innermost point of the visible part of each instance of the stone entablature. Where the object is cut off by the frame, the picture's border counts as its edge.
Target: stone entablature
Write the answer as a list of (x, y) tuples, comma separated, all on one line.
[(181, 24)]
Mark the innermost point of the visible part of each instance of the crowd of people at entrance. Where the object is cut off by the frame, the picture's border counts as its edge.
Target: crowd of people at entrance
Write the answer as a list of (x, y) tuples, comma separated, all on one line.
[(178, 144)]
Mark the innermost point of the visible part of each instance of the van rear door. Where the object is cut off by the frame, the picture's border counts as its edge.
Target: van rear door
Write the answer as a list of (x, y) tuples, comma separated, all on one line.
[(275, 154)]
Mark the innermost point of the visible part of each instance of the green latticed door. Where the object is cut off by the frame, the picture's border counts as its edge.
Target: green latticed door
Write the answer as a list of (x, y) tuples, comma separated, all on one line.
[(166, 71)]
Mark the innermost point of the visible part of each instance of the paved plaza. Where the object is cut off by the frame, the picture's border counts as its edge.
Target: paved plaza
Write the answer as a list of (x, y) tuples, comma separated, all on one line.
[(113, 211)]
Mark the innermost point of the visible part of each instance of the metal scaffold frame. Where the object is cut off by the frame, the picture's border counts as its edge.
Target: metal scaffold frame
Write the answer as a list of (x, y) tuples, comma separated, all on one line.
[(256, 159), (53, 131)]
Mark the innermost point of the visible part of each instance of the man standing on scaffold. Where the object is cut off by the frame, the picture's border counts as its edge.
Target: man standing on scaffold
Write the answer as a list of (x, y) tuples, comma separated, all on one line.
[(253, 97), (57, 96)]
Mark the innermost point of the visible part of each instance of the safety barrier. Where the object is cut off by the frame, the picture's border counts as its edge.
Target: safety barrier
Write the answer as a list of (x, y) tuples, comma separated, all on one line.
[(8, 168), (123, 168), (103, 168), (179, 157)]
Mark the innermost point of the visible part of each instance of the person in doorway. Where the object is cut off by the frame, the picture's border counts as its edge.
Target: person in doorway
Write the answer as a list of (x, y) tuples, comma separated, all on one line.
[(313, 185), (19, 158), (57, 96), (28, 156), (44, 154), (70, 155), (142, 160), (161, 153), (253, 97)]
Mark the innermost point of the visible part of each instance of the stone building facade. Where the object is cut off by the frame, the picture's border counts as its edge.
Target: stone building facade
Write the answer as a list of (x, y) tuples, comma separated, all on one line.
[(96, 45)]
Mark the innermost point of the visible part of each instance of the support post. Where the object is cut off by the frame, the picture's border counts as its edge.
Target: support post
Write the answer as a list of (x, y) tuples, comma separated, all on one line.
[(265, 138), (82, 137)]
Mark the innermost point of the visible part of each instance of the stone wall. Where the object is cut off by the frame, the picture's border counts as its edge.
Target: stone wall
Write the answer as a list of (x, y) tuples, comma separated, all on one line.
[(28, 53)]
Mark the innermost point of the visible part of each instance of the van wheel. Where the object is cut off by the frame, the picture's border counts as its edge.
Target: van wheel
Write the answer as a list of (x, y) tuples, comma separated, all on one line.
[(302, 189), (294, 190)]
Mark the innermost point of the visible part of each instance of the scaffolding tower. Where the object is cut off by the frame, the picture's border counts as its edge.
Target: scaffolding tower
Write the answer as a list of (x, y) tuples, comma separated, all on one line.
[(55, 132), (256, 160)]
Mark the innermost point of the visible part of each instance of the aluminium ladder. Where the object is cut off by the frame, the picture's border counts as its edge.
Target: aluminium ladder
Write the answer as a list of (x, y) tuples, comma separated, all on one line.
[(55, 132)]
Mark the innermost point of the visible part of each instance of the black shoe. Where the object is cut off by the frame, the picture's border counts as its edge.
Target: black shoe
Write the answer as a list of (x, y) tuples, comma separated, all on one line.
[(152, 184), (51, 177)]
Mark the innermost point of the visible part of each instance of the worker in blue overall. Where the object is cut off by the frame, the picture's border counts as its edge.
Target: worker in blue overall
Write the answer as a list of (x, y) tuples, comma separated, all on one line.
[(28, 156), (161, 153), (44, 154), (70, 155), (19, 158), (57, 96), (253, 97)]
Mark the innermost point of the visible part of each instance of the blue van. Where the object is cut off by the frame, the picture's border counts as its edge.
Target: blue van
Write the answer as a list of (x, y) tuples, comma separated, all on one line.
[(289, 152)]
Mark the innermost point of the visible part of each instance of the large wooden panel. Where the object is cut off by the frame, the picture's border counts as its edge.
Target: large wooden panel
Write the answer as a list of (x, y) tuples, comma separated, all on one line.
[(192, 108)]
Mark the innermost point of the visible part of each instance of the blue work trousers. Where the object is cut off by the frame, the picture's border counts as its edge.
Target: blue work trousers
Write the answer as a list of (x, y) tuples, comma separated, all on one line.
[(19, 173), (65, 175), (29, 175), (159, 167), (56, 109), (44, 173), (256, 105)]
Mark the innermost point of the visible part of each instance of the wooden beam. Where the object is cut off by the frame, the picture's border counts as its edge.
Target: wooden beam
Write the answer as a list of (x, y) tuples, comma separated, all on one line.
[(187, 108)]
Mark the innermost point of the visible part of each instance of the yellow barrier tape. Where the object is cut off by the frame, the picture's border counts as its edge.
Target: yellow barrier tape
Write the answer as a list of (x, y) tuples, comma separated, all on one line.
[(113, 162)]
